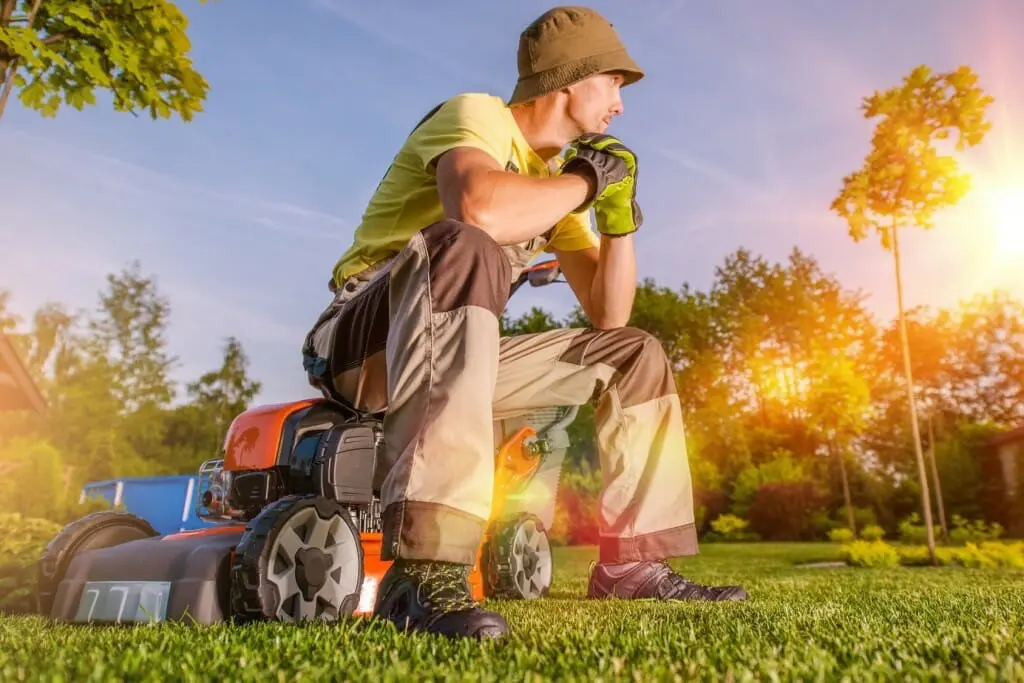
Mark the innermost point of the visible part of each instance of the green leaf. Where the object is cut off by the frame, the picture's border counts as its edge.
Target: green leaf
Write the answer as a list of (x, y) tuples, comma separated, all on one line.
[(138, 50)]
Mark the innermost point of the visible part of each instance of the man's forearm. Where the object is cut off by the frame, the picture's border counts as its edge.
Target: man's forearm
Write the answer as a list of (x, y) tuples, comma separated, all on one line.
[(614, 286), (514, 208)]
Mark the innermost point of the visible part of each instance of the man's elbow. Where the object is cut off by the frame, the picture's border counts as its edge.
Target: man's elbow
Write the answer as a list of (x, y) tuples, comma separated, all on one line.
[(475, 213)]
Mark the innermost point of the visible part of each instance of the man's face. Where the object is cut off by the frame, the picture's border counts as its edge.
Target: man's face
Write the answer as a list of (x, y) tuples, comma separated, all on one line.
[(594, 102)]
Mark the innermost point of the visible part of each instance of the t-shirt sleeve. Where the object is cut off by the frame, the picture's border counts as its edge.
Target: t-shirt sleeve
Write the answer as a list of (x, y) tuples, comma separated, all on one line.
[(470, 120), (573, 233)]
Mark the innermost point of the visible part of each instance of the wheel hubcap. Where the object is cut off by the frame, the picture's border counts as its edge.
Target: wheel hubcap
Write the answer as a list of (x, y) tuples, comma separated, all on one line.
[(531, 560), (311, 565), (314, 566)]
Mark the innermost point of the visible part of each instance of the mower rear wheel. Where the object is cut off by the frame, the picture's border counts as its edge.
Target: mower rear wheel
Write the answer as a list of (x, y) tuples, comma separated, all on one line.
[(519, 561), (300, 559), (103, 529)]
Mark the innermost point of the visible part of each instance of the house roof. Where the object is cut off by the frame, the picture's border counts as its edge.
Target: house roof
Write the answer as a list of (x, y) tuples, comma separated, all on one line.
[(1012, 436), (17, 390)]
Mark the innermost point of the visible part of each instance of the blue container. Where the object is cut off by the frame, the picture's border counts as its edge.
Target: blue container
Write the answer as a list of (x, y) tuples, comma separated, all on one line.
[(168, 503)]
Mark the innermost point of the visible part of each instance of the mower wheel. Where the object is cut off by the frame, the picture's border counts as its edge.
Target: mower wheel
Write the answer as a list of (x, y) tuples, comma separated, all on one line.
[(300, 559), (103, 529), (519, 562)]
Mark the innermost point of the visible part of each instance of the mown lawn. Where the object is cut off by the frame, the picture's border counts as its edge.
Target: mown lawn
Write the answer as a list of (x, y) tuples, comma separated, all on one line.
[(800, 624)]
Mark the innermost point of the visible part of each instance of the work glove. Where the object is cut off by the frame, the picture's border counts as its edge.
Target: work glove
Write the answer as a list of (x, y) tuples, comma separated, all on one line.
[(614, 166)]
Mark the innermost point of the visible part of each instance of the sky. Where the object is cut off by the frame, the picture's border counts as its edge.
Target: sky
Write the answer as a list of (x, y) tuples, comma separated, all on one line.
[(745, 125)]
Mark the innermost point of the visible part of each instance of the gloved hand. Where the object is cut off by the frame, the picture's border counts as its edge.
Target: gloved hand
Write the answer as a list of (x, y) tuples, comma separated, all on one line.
[(614, 166)]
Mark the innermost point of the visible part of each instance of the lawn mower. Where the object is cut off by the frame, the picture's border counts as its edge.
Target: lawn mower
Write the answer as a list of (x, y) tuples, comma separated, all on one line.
[(295, 530)]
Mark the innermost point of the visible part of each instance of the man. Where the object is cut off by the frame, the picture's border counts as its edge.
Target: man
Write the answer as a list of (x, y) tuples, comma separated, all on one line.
[(471, 197)]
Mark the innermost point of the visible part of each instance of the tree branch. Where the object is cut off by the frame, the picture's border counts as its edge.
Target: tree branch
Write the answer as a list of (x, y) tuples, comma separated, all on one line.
[(57, 37), (7, 11), (12, 66)]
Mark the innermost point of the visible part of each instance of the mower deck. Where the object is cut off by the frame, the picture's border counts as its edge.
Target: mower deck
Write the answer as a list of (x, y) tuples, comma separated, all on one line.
[(179, 577)]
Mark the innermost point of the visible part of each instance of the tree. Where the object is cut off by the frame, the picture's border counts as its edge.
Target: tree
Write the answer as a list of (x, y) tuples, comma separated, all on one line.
[(63, 51), (986, 360), (223, 393), (534, 320), (905, 180), (838, 401)]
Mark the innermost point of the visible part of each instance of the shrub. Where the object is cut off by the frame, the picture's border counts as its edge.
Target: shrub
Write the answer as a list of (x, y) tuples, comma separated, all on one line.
[(873, 533), (985, 555), (781, 469), (991, 555), (22, 540), (576, 519), (785, 511), (917, 556), (869, 554), (978, 531), (708, 505), (730, 529), (912, 531), (840, 535)]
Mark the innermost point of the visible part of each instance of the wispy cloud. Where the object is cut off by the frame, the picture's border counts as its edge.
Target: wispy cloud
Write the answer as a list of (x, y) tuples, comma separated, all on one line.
[(123, 178), (411, 31), (690, 162)]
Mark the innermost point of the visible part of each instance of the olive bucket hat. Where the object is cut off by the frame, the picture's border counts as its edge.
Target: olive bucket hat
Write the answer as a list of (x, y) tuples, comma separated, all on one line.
[(565, 45)]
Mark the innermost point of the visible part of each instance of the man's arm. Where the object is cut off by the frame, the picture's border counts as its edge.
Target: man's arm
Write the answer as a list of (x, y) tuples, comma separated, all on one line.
[(603, 280), (510, 207)]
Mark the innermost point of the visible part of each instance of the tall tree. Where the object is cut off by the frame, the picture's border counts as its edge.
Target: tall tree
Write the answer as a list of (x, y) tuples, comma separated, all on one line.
[(905, 180), (129, 332), (223, 393), (63, 51)]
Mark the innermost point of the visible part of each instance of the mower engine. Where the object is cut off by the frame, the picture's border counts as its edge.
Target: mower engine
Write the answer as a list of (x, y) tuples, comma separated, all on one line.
[(336, 463)]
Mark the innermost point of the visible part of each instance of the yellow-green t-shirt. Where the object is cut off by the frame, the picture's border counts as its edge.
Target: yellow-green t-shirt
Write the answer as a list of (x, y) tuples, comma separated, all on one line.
[(406, 200)]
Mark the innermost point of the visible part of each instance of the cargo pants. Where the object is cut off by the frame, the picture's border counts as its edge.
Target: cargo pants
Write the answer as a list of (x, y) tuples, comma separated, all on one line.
[(419, 339)]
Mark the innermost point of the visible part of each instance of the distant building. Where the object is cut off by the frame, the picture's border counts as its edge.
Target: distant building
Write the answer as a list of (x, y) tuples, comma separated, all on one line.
[(17, 390), (1005, 472)]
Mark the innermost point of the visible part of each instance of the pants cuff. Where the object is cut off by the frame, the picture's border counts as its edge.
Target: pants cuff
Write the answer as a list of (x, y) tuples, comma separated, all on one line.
[(659, 545), (414, 530)]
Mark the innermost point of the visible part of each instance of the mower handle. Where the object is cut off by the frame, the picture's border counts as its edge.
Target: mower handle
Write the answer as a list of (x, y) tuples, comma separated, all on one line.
[(538, 275)]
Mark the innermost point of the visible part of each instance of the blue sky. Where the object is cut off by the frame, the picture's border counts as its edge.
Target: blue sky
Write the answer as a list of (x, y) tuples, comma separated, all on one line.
[(745, 125)]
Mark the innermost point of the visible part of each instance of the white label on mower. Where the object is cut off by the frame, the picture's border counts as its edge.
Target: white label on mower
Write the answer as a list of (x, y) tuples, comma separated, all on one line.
[(123, 601)]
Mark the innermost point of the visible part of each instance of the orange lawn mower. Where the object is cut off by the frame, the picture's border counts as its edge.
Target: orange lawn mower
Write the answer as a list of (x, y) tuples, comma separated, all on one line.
[(295, 524)]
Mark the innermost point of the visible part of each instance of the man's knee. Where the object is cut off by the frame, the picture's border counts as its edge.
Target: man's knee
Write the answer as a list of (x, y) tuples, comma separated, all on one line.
[(467, 267), (643, 369)]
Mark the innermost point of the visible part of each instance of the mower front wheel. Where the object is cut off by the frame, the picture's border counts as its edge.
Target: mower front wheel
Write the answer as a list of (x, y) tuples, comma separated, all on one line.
[(103, 529), (300, 559)]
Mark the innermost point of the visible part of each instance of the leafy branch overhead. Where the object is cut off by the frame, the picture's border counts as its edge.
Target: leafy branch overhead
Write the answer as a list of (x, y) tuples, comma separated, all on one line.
[(905, 179), (60, 52)]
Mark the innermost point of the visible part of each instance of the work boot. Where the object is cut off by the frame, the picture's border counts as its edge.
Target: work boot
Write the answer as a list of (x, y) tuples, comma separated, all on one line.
[(435, 597), (632, 580)]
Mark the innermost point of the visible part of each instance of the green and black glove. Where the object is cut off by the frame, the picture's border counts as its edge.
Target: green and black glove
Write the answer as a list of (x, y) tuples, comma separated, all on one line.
[(614, 166)]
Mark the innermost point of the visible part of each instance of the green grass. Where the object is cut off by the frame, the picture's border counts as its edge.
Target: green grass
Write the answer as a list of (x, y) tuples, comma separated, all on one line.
[(800, 623)]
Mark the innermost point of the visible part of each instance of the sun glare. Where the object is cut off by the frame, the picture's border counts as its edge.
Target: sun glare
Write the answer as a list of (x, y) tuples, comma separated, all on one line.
[(1007, 207)]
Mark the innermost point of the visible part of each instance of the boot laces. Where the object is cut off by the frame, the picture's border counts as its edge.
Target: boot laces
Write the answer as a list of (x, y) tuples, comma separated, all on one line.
[(440, 586), (672, 585)]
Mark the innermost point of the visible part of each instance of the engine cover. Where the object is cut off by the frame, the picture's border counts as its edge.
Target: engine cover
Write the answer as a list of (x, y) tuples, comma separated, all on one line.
[(345, 461)]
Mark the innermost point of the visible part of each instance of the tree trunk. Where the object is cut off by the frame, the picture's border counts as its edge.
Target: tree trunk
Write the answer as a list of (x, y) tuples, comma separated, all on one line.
[(935, 479), (909, 377), (850, 519), (12, 65)]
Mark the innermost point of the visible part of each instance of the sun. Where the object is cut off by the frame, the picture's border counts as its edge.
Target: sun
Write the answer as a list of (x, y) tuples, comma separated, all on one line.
[(1006, 209)]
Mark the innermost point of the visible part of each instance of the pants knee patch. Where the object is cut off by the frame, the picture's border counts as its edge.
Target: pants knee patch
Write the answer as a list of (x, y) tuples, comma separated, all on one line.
[(467, 268)]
